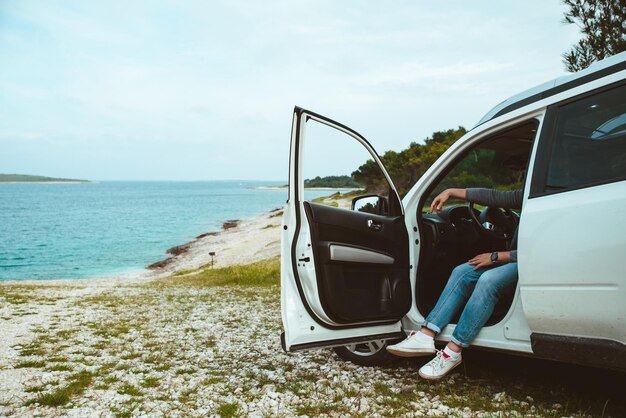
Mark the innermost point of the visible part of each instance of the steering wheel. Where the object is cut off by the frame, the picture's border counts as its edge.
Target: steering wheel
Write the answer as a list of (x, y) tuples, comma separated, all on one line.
[(497, 223)]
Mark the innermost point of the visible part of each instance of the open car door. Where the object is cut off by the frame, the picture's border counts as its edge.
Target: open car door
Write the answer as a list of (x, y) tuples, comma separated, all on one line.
[(345, 274)]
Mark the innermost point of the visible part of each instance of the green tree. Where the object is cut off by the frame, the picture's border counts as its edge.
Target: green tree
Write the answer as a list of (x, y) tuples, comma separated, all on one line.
[(332, 181), (603, 25), (407, 166)]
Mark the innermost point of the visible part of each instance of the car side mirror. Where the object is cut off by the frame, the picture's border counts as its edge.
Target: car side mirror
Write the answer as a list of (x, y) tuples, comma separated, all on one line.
[(371, 204)]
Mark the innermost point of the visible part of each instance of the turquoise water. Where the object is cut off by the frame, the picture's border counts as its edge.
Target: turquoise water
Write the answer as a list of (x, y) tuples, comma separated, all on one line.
[(50, 231)]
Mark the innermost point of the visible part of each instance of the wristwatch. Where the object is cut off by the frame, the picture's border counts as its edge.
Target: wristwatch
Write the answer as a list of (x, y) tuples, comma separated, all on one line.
[(494, 257)]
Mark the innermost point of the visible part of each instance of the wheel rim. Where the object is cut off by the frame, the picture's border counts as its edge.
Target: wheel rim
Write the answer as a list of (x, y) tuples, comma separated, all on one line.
[(367, 349)]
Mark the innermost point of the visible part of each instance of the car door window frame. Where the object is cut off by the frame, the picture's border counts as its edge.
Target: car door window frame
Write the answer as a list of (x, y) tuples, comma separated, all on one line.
[(395, 203), (296, 192)]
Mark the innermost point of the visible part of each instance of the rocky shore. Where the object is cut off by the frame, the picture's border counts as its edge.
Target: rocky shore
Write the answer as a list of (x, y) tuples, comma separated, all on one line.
[(239, 242)]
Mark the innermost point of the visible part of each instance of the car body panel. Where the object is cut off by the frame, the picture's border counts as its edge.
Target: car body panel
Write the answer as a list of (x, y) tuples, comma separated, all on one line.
[(573, 278)]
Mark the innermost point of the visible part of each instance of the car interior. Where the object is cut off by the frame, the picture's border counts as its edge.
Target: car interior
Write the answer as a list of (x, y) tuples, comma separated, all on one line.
[(454, 236)]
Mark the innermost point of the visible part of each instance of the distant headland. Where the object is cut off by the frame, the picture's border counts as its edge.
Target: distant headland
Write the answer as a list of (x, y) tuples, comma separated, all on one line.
[(328, 182), (24, 178)]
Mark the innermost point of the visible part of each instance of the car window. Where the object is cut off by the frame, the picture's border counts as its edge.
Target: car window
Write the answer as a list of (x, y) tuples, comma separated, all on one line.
[(589, 142), (329, 159), (499, 162)]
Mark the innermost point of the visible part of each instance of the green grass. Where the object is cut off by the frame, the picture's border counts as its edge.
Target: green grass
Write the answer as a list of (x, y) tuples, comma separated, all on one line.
[(150, 382), (30, 363), (21, 294), (211, 381), (47, 339), (210, 341), (184, 272), (59, 368), (123, 366), (264, 273), (316, 409), (227, 410), (109, 380), (325, 200), (128, 389), (154, 359), (395, 401), (66, 333), (163, 367), (112, 331), (35, 389), (187, 395), (185, 371), (77, 384), (131, 355), (58, 359), (13, 298)]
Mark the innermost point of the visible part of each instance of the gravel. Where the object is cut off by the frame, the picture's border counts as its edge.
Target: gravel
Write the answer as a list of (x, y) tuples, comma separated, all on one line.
[(151, 350)]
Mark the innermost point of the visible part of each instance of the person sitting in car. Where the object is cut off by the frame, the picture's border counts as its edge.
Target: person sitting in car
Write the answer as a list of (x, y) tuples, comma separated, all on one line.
[(478, 284)]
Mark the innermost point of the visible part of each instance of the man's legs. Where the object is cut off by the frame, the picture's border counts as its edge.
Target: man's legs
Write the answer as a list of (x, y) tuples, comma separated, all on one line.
[(458, 289), (491, 286)]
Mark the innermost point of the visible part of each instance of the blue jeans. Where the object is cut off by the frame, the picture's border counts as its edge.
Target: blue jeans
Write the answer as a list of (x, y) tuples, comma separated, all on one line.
[(481, 289)]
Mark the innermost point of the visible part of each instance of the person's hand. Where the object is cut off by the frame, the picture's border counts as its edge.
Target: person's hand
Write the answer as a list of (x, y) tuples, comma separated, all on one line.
[(443, 197), (484, 260), (439, 201)]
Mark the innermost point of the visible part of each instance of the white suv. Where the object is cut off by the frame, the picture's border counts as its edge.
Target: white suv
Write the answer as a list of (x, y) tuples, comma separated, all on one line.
[(358, 279)]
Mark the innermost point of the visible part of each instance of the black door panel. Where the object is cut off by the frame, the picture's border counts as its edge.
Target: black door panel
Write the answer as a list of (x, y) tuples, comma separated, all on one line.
[(374, 287)]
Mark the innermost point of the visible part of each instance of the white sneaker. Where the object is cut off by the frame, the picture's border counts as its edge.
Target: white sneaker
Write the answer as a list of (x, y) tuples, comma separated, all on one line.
[(439, 366), (416, 344)]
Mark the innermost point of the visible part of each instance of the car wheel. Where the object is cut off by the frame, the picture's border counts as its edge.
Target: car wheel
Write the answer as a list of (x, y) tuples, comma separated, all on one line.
[(369, 354)]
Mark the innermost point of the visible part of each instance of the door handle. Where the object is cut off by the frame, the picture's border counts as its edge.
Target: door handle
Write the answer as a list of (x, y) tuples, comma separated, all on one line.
[(375, 225)]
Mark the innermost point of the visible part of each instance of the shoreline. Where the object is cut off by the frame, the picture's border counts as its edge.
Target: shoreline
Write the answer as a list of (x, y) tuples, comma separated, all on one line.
[(341, 189), (47, 182), (240, 241)]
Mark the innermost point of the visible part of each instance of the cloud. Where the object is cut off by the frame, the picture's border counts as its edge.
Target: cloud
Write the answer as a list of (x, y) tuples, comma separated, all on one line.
[(20, 136), (184, 80), (413, 73)]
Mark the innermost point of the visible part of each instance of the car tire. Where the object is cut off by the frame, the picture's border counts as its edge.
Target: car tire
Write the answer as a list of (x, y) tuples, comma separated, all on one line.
[(371, 354)]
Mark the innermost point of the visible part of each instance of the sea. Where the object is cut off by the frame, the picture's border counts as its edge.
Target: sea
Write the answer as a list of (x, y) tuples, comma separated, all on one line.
[(117, 228)]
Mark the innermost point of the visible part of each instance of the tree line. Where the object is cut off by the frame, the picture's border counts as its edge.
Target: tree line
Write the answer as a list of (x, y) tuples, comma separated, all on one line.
[(407, 166)]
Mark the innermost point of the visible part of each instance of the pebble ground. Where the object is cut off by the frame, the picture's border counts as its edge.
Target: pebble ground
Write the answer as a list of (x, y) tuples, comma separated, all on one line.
[(169, 349)]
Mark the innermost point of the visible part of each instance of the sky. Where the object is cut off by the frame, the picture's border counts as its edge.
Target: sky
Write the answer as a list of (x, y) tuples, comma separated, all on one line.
[(205, 90)]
